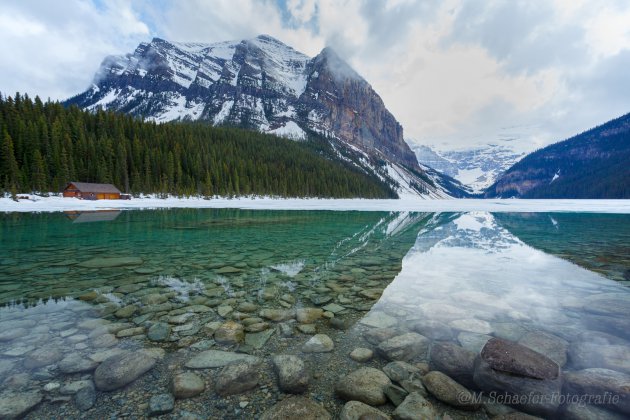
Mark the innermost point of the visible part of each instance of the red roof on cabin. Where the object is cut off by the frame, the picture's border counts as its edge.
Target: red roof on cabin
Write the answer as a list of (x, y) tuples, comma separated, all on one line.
[(95, 188)]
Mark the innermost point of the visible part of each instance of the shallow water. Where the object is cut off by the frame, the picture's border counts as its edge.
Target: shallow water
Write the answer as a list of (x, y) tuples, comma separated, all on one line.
[(76, 288)]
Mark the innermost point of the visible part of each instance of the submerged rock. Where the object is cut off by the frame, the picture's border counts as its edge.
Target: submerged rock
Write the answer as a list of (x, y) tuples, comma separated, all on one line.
[(13, 333), (85, 398), (471, 325), (104, 340), (293, 376), (247, 307), (601, 382), (161, 404), (510, 357), (75, 363), (259, 339), (614, 304), (448, 391), (277, 315), (333, 308), (533, 391), (14, 405), (365, 385), (577, 411), (434, 330), (454, 361), (400, 371), (126, 311), (159, 331), (551, 346), (472, 341), (395, 394), (122, 369), (217, 358), (109, 262), (319, 343), (42, 357), (187, 385), (594, 354), (296, 408), (356, 410), (308, 329), (308, 315), (237, 378), (404, 347), (361, 354), (414, 407), (376, 336), (230, 332), (73, 387), (320, 300), (379, 320)]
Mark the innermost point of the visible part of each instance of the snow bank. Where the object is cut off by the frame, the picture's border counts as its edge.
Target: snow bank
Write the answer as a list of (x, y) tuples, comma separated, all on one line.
[(407, 203)]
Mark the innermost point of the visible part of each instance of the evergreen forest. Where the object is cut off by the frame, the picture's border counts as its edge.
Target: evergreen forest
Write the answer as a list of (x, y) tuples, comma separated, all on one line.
[(43, 146)]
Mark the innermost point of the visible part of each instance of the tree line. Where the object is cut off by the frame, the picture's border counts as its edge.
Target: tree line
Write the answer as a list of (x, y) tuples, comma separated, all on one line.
[(45, 145)]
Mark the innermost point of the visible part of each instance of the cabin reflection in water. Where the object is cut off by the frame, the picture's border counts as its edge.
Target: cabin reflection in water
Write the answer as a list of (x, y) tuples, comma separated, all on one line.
[(92, 216)]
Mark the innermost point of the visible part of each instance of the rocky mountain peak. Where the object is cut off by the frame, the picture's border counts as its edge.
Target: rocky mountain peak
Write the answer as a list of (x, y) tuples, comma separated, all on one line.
[(257, 83)]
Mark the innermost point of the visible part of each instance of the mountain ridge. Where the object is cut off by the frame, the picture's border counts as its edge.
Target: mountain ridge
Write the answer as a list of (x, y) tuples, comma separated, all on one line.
[(476, 167), (592, 164), (259, 83)]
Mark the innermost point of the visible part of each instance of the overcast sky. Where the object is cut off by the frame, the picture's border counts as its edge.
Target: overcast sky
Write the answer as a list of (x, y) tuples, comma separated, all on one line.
[(455, 73)]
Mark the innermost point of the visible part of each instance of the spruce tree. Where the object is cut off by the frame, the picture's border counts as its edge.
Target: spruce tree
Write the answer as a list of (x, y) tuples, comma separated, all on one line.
[(9, 169)]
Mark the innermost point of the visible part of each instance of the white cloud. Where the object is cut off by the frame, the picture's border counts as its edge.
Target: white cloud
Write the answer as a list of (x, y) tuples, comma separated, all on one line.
[(52, 49), (608, 32), (302, 11)]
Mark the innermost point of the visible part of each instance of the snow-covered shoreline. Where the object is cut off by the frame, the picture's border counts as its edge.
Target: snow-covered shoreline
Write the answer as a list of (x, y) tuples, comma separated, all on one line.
[(408, 203)]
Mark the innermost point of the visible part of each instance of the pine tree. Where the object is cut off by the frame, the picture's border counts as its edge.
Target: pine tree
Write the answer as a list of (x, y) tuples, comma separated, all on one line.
[(9, 169), (38, 173)]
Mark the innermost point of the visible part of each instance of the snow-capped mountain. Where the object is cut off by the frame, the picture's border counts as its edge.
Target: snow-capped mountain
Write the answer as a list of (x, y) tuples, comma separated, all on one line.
[(259, 83), (263, 84), (477, 168)]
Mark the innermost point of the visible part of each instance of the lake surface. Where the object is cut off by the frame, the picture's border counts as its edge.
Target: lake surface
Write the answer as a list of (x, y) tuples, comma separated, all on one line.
[(99, 311)]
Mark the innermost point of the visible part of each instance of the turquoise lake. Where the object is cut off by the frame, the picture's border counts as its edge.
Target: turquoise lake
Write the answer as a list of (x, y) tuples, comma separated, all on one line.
[(198, 291)]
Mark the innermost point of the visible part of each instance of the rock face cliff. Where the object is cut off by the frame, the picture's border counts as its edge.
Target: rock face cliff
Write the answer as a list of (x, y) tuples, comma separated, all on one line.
[(259, 83)]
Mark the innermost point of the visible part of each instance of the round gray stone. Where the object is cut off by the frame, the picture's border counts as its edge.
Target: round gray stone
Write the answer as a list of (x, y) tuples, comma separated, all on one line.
[(237, 378), (361, 354), (296, 408), (159, 331), (187, 385), (122, 369), (356, 410), (14, 405), (365, 384), (319, 343), (161, 404), (293, 376)]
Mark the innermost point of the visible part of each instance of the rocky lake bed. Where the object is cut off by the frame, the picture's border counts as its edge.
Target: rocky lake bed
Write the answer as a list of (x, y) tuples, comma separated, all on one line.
[(358, 326)]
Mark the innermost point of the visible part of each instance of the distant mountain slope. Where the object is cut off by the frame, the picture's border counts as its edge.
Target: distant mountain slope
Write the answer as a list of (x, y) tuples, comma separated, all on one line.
[(594, 164), (449, 184), (476, 168)]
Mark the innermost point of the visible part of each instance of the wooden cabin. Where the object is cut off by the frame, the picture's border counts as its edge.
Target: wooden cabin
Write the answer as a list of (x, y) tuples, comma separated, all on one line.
[(89, 191)]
